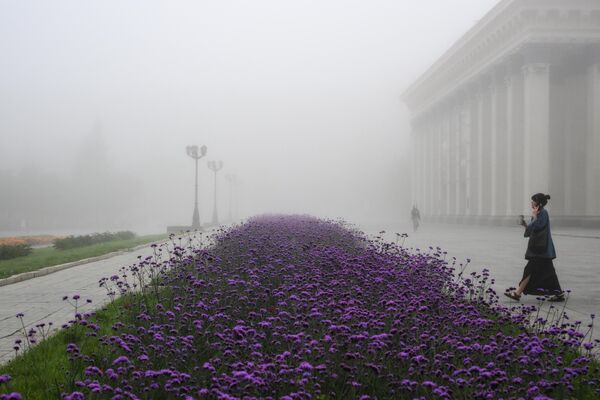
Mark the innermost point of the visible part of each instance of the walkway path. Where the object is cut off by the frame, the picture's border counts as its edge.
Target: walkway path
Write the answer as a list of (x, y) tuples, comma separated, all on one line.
[(40, 299)]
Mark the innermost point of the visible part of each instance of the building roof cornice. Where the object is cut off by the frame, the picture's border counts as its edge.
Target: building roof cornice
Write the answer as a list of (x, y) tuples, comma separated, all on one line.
[(506, 28)]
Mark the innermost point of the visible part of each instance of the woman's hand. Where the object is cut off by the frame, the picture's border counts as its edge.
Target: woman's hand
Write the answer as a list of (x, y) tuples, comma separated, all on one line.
[(522, 221)]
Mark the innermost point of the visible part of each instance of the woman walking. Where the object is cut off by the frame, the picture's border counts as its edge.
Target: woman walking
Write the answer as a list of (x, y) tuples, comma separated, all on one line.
[(539, 276)]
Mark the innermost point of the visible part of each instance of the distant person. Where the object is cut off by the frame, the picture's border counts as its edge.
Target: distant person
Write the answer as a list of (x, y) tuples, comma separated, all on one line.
[(415, 215), (539, 276)]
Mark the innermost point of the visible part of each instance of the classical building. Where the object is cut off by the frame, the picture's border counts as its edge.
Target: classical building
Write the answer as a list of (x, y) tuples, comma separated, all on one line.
[(511, 109)]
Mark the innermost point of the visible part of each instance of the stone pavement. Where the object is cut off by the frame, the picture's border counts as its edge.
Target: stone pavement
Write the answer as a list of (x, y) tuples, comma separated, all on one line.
[(40, 299), (502, 249)]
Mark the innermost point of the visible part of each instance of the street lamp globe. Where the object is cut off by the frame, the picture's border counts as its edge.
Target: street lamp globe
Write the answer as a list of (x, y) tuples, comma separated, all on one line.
[(192, 151)]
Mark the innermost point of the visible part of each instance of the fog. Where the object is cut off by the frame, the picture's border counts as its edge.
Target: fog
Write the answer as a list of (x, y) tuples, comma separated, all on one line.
[(299, 99)]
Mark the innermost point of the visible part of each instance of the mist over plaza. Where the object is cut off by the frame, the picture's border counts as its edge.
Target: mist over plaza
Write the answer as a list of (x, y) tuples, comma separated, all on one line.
[(302, 101)]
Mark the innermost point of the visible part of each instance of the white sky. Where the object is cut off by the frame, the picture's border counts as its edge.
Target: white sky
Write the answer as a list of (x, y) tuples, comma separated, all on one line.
[(298, 98)]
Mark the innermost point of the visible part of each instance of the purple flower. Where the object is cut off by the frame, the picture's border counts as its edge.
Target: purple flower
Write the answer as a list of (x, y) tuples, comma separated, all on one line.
[(120, 360), (74, 396), (11, 396), (92, 370), (305, 366)]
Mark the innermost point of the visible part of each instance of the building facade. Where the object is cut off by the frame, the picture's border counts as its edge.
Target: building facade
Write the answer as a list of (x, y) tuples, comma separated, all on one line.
[(512, 109)]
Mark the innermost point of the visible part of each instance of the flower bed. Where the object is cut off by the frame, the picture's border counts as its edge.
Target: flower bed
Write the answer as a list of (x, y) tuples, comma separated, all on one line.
[(12, 241), (300, 308), (30, 240)]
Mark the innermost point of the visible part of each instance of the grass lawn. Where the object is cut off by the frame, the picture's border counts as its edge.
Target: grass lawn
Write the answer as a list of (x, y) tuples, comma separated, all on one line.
[(46, 371), (49, 256)]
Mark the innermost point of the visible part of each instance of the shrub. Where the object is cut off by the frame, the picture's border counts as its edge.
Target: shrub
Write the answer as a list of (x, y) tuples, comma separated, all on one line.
[(8, 252), (71, 242), (123, 235), (40, 240)]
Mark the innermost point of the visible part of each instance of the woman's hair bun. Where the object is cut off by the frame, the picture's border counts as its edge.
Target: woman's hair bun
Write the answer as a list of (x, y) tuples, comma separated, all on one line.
[(541, 198)]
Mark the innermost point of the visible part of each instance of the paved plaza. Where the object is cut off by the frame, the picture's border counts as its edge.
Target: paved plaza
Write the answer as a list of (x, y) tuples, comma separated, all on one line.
[(499, 249)]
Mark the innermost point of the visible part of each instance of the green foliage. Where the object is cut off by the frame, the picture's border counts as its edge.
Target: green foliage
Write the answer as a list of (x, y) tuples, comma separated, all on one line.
[(10, 251), (47, 257), (71, 242), (45, 371)]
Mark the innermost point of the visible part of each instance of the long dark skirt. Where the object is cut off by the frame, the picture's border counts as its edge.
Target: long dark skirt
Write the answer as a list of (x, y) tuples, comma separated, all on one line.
[(543, 279)]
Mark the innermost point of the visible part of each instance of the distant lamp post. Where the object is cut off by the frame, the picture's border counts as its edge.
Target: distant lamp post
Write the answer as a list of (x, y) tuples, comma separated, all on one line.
[(192, 151), (232, 179), (215, 166)]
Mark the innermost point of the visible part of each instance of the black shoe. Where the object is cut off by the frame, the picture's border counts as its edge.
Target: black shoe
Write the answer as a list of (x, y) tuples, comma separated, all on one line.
[(513, 296)]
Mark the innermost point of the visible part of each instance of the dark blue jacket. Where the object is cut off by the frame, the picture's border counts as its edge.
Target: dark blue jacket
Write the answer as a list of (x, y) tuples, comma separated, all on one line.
[(536, 225)]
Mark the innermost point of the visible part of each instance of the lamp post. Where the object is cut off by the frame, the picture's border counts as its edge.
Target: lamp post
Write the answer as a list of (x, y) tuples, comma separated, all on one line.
[(232, 179), (192, 151), (215, 166)]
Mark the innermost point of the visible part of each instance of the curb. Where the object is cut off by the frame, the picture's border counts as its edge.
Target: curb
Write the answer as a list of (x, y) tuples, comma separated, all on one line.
[(55, 268)]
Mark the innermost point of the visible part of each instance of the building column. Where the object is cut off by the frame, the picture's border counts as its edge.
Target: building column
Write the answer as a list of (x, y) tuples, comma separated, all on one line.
[(414, 163), (485, 150), (574, 142), (452, 132), (474, 166), (456, 159), (422, 166), (536, 134), (593, 141), (419, 198), (423, 207), (430, 166), (423, 199), (432, 160), (417, 166), (558, 120), (438, 163), (514, 143), (510, 139), (493, 143), (480, 134), (467, 155), (447, 174), (500, 181)]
